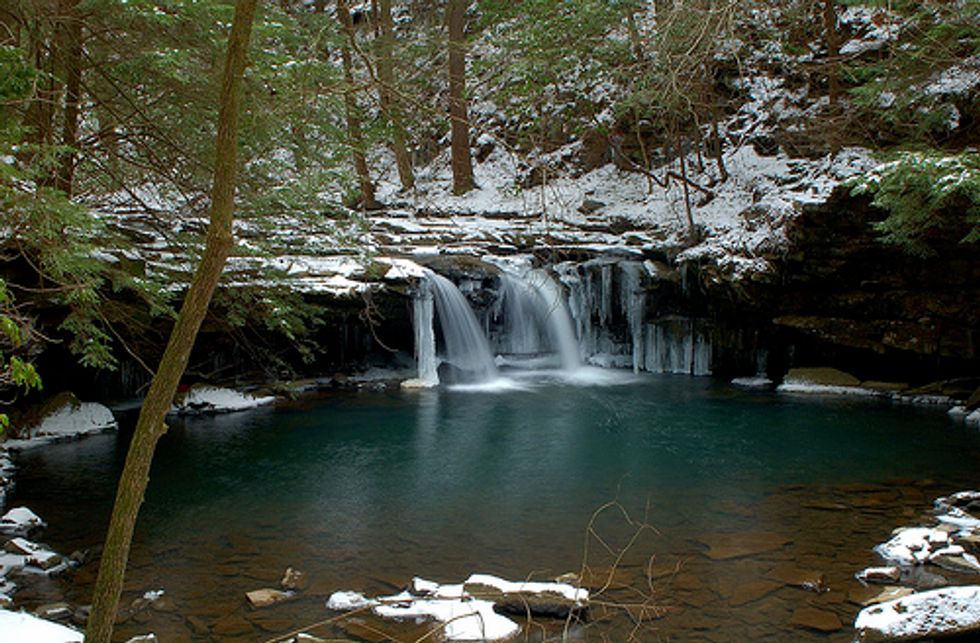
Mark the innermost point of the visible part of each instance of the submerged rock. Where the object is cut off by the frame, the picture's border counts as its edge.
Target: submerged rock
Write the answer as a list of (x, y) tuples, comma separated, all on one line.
[(812, 618), (726, 546), (940, 612)]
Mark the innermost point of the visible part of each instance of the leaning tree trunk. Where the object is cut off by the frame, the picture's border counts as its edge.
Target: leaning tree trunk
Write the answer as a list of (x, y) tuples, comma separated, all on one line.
[(354, 134), (387, 96), (150, 426), (462, 163)]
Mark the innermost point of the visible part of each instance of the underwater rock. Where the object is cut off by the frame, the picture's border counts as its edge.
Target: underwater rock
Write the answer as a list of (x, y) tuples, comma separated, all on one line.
[(816, 619), (726, 546)]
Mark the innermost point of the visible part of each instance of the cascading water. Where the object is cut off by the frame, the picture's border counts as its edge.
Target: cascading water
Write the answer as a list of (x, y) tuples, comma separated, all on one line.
[(464, 343), (534, 311)]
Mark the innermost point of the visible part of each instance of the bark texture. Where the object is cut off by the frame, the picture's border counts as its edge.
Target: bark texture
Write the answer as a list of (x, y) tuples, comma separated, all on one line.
[(355, 136), (462, 163), (388, 97), (150, 426)]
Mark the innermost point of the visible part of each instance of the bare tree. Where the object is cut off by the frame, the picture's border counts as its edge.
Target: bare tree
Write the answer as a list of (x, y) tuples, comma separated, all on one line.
[(387, 96), (355, 136), (462, 162)]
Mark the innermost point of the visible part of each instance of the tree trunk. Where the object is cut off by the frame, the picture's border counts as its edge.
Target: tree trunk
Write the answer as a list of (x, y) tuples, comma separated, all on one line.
[(832, 39), (39, 115), (355, 136), (150, 426), (70, 32), (462, 163), (387, 96)]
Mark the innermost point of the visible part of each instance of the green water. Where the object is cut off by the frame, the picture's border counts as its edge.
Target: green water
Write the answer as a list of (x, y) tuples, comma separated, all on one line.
[(363, 490)]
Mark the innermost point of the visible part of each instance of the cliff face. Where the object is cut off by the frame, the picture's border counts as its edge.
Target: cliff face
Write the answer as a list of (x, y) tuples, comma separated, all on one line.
[(840, 294)]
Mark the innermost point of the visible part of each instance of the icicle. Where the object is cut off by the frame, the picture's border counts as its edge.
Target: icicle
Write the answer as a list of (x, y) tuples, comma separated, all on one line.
[(633, 301), (425, 336)]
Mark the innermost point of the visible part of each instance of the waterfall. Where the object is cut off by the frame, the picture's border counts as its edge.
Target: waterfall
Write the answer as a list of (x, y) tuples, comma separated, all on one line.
[(534, 310), (465, 344)]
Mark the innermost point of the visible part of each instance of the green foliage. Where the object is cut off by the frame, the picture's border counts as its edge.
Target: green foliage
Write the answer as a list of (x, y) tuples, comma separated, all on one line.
[(893, 88), (16, 372), (926, 195)]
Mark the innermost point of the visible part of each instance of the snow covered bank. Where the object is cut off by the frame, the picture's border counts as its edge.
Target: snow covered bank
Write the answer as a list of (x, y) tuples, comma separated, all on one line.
[(64, 418), (21, 627)]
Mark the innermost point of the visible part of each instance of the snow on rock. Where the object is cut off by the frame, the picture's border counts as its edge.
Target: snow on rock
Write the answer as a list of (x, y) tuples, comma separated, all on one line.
[(35, 555), (479, 582), (464, 620), (464, 609), (940, 612), (347, 601), (216, 399), (402, 269), (913, 545), (21, 627), (961, 79), (20, 520)]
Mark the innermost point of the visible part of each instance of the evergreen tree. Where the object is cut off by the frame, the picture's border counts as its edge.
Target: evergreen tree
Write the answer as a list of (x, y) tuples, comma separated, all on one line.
[(151, 426)]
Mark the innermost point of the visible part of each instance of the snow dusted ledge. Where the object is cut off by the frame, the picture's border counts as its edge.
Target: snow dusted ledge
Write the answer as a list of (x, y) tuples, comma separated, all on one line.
[(940, 612), (215, 399), (21, 627), (468, 611)]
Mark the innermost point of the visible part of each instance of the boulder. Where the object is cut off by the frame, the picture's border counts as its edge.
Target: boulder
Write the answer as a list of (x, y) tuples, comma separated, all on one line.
[(940, 612)]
